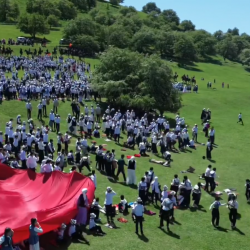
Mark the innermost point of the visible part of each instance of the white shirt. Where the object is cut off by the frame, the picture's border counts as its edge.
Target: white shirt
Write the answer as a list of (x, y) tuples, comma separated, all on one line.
[(32, 162), (92, 223), (234, 204), (155, 186), (47, 168), (211, 133), (164, 194), (195, 130), (188, 185), (109, 198), (23, 155), (138, 210), (207, 173), (51, 116), (167, 204), (240, 116), (93, 178)]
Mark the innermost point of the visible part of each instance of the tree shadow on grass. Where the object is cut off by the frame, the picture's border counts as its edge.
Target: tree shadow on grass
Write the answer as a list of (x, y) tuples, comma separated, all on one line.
[(209, 59)]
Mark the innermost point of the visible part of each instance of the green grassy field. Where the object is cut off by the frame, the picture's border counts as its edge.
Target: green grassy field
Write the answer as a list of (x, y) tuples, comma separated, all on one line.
[(195, 230)]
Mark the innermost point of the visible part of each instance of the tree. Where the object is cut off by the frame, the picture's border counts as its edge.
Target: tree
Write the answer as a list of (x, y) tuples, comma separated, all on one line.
[(241, 43), (150, 7), (13, 12), (52, 21), (126, 10), (43, 7), (91, 4), (144, 40), (33, 24), (80, 26), (184, 47), (227, 48), (165, 43), (234, 31), (80, 4), (219, 35), (4, 10), (87, 43), (245, 56), (129, 79), (118, 36), (114, 2), (67, 9), (204, 42), (187, 25), (170, 16)]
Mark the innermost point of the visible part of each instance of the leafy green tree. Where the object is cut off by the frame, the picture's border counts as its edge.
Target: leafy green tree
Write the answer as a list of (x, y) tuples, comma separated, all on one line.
[(118, 36), (91, 4), (227, 48), (33, 24), (184, 47), (165, 43), (53, 21), (245, 56), (114, 2), (80, 4), (126, 10), (132, 24), (144, 40), (87, 43), (67, 9), (234, 31), (170, 16), (187, 25), (150, 7), (4, 9), (13, 12), (219, 35), (241, 43), (204, 42), (80, 26), (129, 79)]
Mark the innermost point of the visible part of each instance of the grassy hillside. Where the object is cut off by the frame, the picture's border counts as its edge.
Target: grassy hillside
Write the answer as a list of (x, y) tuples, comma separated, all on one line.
[(230, 158)]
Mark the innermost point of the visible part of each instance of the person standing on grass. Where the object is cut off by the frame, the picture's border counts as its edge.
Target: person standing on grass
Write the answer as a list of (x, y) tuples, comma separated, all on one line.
[(29, 109), (209, 150), (212, 179), (195, 132), (40, 115), (207, 178), (167, 206), (215, 211), (109, 194), (240, 119), (188, 190), (247, 185), (137, 214), (131, 179), (233, 206), (121, 163)]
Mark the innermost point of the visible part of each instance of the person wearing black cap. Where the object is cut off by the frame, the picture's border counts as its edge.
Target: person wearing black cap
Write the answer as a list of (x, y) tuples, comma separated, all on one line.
[(137, 214)]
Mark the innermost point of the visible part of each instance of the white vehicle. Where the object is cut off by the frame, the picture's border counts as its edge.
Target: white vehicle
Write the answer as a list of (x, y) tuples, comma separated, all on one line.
[(21, 39)]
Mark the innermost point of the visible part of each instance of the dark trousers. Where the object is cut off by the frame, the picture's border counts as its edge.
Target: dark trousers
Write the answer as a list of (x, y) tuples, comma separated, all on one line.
[(66, 147), (212, 184), (77, 235), (207, 180), (40, 115), (143, 196), (155, 196), (123, 173), (29, 113), (57, 127), (215, 216), (233, 216), (165, 216), (187, 197), (138, 220), (59, 147), (108, 168), (109, 213), (6, 139), (24, 166), (44, 110), (97, 229)]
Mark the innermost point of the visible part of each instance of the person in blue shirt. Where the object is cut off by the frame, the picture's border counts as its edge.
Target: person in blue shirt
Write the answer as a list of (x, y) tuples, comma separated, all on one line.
[(34, 229), (215, 211), (6, 240)]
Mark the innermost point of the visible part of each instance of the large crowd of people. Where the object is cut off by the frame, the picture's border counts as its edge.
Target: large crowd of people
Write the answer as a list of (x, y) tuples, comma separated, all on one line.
[(25, 146)]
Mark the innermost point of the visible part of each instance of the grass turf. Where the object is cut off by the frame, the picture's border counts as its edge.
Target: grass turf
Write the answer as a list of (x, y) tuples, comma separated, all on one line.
[(195, 230)]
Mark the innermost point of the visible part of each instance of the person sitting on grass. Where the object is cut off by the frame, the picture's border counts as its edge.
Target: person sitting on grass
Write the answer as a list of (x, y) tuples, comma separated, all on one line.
[(130, 142), (96, 133), (71, 157), (93, 227), (142, 148), (75, 232), (95, 209), (191, 144), (123, 205)]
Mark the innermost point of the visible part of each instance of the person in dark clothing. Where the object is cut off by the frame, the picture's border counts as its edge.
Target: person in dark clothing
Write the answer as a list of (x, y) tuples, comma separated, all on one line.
[(7, 239), (121, 163), (247, 190)]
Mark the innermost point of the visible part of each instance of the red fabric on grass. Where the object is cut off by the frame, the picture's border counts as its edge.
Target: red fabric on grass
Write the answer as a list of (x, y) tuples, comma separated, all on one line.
[(51, 198)]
